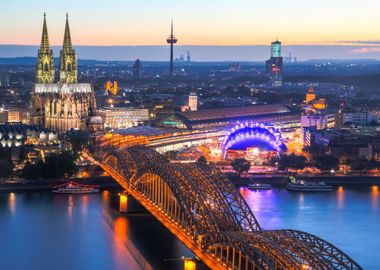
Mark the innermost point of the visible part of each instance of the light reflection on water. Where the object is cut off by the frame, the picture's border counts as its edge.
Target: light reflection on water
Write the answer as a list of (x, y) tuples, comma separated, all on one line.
[(58, 231), (375, 197), (84, 232), (348, 217)]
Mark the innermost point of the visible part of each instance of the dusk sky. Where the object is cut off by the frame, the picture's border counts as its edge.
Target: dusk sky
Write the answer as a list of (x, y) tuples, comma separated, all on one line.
[(197, 22)]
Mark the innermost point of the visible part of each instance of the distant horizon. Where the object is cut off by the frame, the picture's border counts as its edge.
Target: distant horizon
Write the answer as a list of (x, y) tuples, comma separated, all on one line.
[(203, 53)]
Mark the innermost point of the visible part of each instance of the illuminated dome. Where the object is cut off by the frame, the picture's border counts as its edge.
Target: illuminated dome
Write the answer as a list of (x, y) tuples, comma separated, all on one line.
[(251, 134)]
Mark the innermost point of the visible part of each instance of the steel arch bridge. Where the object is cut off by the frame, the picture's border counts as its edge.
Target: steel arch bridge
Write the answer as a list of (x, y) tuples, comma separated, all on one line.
[(198, 204)]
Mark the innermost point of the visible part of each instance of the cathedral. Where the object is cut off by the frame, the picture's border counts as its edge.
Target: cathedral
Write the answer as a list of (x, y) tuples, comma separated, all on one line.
[(62, 104)]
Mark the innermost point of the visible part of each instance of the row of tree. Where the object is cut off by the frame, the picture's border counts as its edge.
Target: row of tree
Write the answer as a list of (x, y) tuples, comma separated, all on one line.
[(6, 164), (54, 165), (323, 162)]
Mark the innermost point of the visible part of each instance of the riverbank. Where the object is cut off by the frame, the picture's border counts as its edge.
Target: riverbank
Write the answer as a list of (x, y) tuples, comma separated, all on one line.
[(108, 182), (34, 185), (281, 180)]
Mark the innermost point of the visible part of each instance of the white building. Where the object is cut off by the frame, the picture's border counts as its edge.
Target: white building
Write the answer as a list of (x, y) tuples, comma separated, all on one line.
[(193, 101), (123, 117), (319, 121)]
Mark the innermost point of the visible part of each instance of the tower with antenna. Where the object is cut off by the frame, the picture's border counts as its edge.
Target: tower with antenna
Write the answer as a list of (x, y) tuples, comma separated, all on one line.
[(171, 40)]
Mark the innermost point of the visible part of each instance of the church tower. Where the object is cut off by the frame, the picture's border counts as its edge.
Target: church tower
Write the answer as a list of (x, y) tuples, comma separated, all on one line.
[(45, 59), (68, 71)]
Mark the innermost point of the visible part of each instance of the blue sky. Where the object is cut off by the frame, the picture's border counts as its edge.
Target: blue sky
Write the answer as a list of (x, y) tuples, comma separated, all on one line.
[(199, 22)]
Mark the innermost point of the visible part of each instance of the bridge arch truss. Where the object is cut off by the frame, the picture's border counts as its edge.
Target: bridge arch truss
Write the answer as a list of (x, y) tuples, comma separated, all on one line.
[(206, 212)]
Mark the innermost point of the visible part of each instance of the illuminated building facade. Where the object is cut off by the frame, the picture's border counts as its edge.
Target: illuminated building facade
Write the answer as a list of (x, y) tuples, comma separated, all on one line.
[(314, 114), (3, 116), (319, 121), (312, 101), (66, 104), (310, 95), (111, 87), (274, 65), (252, 139), (193, 101), (18, 115), (119, 117)]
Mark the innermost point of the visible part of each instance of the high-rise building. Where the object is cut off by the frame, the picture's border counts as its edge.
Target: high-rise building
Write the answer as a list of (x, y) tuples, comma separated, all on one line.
[(193, 101), (274, 64), (64, 105), (137, 70), (4, 79), (171, 40), (275, 49), (188, 57)]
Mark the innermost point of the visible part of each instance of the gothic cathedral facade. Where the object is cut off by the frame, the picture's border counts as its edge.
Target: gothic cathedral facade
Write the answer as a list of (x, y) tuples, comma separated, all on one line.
[(63, 104)]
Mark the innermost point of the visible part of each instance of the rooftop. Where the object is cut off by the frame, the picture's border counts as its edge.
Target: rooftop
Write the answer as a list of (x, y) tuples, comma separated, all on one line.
[(223, 113), (63, 88)]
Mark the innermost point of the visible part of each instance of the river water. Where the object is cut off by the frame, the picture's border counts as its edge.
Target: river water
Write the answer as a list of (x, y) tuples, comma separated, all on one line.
[(40, 230)]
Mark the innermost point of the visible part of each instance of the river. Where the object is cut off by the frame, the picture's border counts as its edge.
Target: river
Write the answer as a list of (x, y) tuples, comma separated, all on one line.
[(40, 230)]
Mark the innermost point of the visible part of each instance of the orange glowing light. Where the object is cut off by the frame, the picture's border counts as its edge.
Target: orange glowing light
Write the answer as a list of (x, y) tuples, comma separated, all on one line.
[(84, 174), (375, 190), (189, 264), (340, 197), (375, 197), (123, 203), (12, 202), (121, 229), (106, 196)]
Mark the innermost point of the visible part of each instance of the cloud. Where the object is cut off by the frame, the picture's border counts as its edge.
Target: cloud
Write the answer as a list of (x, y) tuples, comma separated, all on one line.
[(366, 50), (361, 42)]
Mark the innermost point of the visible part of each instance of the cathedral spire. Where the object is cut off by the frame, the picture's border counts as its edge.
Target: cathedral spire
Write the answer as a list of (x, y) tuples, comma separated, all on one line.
[(68, 72), (67, 45), (45, 61), (45, 47)]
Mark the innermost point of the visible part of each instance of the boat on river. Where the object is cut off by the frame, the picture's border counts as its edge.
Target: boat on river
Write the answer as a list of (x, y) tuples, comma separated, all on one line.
[(301, 185), (75, 188), (259, 186)]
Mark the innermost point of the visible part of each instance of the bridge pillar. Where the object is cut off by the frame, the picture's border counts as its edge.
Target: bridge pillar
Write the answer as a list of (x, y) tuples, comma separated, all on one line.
[(190, 264), (123, 202)]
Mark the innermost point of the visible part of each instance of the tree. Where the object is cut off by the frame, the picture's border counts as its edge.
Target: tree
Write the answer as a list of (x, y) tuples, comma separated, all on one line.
[(360, 164), (244, 91), (78, 140), (54, 166), (326, 162), (202, 160), (6, 167), (241, 165), (292, 161)]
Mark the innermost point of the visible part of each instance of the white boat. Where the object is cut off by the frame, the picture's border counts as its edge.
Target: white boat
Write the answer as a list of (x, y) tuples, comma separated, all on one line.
[(75, 188), (300, 185), (258, 186)]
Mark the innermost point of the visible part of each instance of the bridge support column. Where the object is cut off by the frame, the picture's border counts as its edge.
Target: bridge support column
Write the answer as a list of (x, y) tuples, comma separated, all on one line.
[(190, 264), (123, 202)]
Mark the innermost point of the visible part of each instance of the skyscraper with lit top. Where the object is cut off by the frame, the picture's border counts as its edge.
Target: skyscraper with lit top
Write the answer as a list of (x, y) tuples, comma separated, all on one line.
[(274, 64)]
